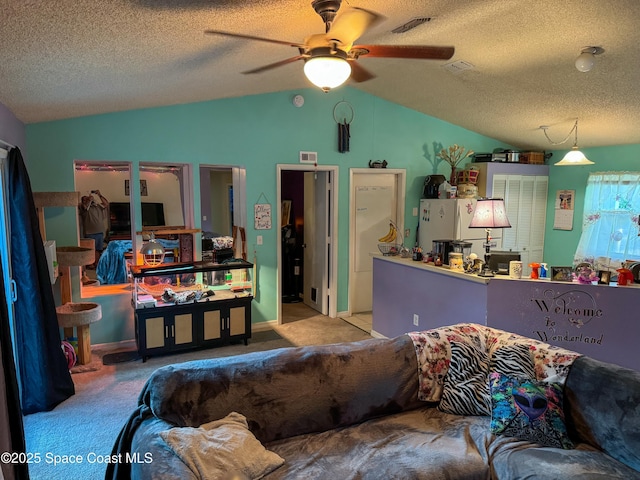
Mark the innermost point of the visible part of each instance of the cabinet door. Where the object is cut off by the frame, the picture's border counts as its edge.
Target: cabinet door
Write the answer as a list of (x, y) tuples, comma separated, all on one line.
[(183, 329), (237, 320), (212, 325), (154, 332)]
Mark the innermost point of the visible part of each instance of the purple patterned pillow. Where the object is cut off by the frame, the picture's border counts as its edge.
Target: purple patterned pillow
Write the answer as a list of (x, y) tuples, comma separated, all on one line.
[(528, 410)]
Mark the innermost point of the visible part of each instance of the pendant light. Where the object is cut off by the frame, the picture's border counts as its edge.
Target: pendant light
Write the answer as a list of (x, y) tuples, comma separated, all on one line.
[(574, 156)]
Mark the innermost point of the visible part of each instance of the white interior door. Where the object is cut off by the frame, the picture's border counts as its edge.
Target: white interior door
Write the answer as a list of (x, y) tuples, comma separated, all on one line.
[(377, 196), (316, 242)]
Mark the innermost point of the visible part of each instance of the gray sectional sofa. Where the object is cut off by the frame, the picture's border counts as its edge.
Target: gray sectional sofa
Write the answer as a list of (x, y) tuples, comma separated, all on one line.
[(351, 411)]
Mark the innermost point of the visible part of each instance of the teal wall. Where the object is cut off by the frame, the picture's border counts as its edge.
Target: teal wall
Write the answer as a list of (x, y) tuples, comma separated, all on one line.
[(255, 132), (560, 245)]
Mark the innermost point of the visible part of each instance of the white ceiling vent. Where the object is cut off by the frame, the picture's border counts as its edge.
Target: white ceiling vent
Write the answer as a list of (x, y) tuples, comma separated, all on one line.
[(413, 23), (458, 67)]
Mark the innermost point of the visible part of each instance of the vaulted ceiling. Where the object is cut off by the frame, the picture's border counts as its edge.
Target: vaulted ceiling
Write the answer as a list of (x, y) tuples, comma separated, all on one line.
[(69, 58)]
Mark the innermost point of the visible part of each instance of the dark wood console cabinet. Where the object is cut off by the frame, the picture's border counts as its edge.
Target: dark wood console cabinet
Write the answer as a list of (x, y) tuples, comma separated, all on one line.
[(163, 326)]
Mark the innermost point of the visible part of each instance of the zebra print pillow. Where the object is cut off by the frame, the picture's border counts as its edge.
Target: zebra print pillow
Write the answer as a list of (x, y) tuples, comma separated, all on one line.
[(514, 361), (466, 385)]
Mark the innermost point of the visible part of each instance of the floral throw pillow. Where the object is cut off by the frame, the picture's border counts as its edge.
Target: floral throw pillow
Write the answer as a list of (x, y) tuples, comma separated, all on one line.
[(528, 410)]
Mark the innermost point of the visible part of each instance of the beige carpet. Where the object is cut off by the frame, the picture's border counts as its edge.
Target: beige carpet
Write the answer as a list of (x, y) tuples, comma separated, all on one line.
[(88, 422)]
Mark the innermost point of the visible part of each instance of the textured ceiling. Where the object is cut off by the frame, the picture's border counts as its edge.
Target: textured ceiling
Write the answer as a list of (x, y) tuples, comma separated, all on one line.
[(69, 58)]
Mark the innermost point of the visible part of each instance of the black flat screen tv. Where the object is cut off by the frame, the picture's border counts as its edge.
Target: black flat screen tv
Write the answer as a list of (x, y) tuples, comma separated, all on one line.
[(120, 217)]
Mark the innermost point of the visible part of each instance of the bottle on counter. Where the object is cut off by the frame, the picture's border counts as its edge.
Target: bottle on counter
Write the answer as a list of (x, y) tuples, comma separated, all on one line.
[(544, 272)]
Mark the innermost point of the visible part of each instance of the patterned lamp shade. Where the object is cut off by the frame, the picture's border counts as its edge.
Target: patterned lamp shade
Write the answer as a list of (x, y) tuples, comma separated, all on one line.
[(490, 213)]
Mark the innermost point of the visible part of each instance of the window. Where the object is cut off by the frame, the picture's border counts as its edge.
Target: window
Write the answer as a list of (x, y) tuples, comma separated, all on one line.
[(610, 225)]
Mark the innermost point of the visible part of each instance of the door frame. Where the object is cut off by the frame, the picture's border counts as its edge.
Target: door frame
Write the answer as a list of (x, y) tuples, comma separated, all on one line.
[(333, 235), (401, 181)]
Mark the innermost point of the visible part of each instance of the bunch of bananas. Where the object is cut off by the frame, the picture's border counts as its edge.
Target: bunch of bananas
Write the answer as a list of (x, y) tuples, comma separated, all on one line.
[(391, 235)]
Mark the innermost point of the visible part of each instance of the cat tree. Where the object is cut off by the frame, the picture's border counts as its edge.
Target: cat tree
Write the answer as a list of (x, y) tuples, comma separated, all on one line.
[(70, 315)]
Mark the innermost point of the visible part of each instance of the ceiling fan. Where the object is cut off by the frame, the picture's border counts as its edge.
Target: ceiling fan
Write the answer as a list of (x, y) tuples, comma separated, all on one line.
[(331, 57)]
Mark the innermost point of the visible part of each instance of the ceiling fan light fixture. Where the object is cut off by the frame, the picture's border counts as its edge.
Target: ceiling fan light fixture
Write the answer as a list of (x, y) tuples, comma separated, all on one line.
[(329, 70)]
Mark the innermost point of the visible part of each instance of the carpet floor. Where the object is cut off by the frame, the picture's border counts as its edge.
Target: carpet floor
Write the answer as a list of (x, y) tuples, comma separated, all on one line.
[(85, 426)]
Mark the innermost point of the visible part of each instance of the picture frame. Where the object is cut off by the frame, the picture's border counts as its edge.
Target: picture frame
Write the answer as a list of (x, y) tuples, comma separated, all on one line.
[(262, 216), (285, 212), (143, 188), (604, 277), (562, 274)]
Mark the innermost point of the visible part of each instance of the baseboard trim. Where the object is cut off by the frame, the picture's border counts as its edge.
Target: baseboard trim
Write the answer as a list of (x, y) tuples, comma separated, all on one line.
[(375, 334), (263, 326), (115, 345)]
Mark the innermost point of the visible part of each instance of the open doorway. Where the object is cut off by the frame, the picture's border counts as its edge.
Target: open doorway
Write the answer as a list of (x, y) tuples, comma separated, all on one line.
[(307, 229)]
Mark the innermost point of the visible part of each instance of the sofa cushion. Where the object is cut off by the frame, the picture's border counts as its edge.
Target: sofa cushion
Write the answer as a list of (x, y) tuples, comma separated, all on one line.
[(422, 444), (515, 459), (290, 391), (602, 408), (528, 410), (223, 448)]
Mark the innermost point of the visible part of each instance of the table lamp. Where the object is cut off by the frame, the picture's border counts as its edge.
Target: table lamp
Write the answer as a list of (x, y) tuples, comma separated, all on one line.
[(489, 213)]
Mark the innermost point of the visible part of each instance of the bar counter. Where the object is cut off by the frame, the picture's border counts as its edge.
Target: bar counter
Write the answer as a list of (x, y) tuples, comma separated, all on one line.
[(597, 320)]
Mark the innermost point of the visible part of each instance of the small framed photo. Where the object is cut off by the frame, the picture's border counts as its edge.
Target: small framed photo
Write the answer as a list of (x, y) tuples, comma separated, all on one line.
[(605, 277), (562, 274)]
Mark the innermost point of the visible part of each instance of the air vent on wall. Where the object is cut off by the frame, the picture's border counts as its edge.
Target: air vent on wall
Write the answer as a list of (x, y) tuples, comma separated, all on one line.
[(458, 67), (413, 23), (308, 157)]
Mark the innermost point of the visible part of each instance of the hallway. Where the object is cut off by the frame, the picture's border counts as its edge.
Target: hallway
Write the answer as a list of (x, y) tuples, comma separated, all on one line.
[(292, 312)]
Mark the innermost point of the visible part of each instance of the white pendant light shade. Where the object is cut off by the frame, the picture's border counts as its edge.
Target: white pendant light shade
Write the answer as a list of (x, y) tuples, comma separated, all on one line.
[(327, 72), (574, 157)]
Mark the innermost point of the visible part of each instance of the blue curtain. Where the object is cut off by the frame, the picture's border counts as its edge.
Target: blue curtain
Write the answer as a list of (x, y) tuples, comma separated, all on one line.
[(15, 436), (44, 376)]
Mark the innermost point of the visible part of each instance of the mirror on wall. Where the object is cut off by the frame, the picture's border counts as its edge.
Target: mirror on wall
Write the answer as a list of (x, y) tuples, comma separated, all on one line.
[(222, 207), (216, 200)]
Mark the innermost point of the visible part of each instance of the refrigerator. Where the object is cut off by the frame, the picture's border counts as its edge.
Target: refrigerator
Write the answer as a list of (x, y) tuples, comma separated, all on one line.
[(449, 219)]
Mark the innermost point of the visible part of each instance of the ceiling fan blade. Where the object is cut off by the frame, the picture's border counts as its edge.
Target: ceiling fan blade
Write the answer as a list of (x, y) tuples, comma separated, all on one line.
[(359, 73), (252, 37), (276, 64), (350, 24), (425, 52)]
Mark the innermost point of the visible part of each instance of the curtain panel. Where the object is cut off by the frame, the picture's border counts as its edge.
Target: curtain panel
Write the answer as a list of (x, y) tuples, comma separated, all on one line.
[(610, 233), (44, 376)]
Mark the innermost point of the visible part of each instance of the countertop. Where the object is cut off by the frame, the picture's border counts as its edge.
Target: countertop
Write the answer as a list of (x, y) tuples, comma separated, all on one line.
[(408, 262), (471, 277)]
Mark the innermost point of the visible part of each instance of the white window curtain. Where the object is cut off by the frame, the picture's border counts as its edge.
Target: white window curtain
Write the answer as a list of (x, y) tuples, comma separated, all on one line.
[(610, 232)]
